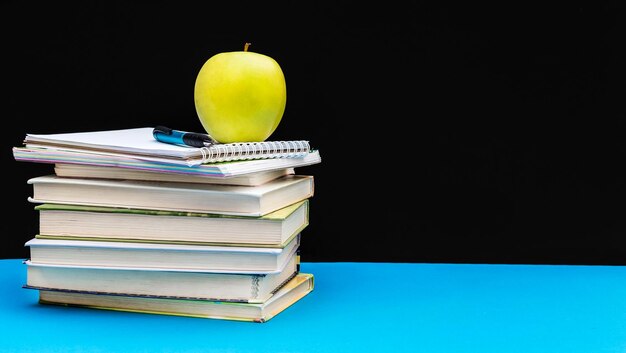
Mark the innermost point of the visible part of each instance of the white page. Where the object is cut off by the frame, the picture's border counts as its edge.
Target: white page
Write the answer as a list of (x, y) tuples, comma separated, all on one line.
[(137, 140)]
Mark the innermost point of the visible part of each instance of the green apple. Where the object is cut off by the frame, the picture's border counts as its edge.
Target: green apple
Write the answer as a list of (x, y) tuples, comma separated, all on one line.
[(240, 96)]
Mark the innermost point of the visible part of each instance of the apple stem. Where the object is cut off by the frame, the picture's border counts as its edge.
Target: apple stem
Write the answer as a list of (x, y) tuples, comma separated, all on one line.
[(245, 47)]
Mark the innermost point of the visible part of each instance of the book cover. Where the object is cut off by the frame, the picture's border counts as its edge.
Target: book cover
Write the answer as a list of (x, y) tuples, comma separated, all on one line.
[(188, 197), (294, 290), (158, 257), (165, 283), (79, 222)]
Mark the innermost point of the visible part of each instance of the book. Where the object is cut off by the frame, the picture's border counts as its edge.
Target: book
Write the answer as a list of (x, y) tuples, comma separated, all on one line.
[(191, 258), (235, 287), (139, 143), (293, 291), (188, 197), (98, 172), (222, 170), (76, 222)]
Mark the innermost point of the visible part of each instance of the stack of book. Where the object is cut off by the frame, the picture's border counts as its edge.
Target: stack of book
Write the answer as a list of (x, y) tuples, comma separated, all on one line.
[(131, 224)]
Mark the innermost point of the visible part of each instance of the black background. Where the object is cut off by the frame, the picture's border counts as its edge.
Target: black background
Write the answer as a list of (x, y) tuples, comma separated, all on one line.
[(448, 133)]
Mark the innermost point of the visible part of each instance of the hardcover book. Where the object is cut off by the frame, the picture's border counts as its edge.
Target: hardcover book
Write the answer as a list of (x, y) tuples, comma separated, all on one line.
[(294, 290), (188, 197), (76, 222), (199, 258), (99, 172), (165, 283)]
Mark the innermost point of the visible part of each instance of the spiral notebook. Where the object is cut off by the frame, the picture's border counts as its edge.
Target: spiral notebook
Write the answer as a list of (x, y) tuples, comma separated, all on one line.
[(139, 143)]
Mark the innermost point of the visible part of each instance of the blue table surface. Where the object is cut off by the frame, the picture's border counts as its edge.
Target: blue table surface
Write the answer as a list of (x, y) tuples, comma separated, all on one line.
[(358, 307)]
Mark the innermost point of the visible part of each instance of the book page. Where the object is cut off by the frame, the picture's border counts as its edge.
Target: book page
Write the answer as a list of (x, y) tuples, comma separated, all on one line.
[(137, 140)]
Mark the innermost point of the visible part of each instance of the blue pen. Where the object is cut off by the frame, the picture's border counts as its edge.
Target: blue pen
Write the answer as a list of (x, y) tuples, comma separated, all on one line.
[(183, 138)]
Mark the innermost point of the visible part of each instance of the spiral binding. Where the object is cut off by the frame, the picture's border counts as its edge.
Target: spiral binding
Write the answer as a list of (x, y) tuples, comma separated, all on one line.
[(254, 150)]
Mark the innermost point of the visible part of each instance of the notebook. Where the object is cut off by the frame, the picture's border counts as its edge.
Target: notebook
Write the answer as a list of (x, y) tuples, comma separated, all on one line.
[(222, 170), (139, 143)]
